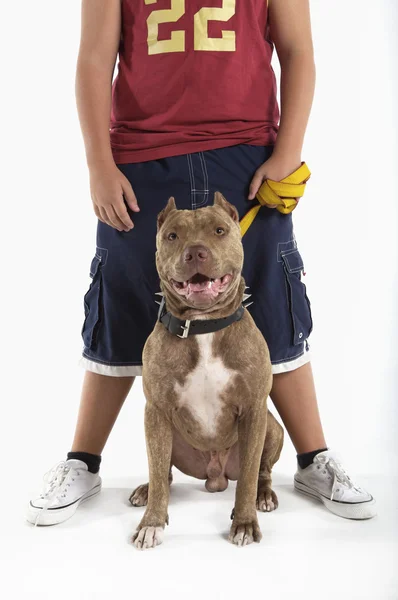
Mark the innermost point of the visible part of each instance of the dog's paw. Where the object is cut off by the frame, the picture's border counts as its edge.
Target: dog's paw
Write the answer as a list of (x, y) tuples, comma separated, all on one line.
[(148, 537), (267, 500), (243, 534), (139, 496)]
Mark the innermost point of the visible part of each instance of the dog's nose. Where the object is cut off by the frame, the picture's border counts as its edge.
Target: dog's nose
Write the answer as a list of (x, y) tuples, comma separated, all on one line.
[(196, 253)]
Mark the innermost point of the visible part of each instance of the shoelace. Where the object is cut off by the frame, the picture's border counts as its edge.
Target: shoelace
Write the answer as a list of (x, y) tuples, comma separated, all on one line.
[(340, 476), (56, 480)]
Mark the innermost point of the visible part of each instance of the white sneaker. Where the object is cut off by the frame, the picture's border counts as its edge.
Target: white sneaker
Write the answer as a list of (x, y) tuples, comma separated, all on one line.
[(67, 485), (326, 480)]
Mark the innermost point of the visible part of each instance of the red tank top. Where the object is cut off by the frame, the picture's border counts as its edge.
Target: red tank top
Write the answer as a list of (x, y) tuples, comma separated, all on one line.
[(193, 75)]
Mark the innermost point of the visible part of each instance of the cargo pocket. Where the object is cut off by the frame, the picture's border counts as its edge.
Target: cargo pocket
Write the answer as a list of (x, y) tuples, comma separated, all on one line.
[(92, 301), (299, 305)]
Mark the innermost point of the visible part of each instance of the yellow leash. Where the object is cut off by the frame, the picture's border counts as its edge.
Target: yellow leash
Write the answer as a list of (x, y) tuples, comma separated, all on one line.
[(281, 194)]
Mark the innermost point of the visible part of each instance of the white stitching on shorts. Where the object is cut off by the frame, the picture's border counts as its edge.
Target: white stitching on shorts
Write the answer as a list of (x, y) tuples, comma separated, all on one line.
[(192, 179), (205, 171), (104, 258), (290, 268), (279, 251), (205, 192), (207, 176), (194, 191), (194, 203)]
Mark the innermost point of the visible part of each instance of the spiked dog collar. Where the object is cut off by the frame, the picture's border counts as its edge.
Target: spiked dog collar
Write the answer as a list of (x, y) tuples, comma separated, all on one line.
[(183, 329)]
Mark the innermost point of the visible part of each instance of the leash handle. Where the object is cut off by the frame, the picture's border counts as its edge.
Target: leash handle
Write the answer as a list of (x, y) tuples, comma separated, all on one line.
[(282, 194)]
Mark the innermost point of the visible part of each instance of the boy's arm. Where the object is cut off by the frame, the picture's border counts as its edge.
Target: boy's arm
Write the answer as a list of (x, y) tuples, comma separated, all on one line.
[(290, 27), (100, 37)]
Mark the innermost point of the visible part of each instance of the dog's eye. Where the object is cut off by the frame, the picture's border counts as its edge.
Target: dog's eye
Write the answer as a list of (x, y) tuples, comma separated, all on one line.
[(172, 236), (220, 231)]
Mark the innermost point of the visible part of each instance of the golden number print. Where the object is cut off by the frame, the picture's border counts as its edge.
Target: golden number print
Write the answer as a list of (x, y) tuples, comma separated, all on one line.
[(202, 41), (171, 15)]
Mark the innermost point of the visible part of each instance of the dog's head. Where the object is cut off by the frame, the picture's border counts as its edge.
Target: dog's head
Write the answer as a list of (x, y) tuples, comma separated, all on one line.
[(199, 253)]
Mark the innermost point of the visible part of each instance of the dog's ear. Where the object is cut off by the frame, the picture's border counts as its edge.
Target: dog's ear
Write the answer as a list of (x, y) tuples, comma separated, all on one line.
[(162, 216), (219, 200)]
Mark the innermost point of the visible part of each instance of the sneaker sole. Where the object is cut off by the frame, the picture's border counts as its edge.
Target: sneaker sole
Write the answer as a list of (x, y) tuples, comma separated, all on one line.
[(347, 510), (37, 516)]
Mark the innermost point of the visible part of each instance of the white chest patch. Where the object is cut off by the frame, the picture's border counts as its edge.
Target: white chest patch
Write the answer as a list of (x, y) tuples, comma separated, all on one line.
[(201, 392)]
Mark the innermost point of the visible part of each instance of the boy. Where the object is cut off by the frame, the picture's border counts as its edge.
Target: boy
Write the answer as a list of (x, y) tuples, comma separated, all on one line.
[(193, 110)]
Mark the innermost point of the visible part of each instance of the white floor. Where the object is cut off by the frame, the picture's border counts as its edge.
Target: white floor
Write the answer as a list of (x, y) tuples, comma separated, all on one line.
[(306, 552)]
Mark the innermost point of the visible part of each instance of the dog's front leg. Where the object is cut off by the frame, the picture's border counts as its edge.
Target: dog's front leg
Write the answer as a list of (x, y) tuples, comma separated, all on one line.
[(251, 434), (159, 440)]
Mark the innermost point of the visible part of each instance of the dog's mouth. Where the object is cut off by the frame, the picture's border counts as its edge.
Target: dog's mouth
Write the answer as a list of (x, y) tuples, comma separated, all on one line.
[(201, 286)]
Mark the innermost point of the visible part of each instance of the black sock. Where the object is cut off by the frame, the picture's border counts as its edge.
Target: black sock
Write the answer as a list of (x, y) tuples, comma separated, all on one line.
[(305, 460), (92, 460)]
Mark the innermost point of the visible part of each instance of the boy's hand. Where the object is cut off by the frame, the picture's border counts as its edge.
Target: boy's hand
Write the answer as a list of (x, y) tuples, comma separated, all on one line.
[(273, 168), (110, 192)]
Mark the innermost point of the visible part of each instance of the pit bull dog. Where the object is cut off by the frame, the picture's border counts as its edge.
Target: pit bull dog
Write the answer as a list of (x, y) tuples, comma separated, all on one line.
[(206, 375)]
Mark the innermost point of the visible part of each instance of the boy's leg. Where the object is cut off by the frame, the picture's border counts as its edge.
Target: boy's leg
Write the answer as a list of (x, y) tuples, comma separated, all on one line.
[(120, 313), (77, 479), (101, 401), (294, 397), (274, 272)]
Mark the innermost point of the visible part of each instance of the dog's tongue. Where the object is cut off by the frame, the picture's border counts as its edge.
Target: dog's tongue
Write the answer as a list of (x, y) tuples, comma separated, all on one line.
[(199, 287), (211, 286), (199, 283)]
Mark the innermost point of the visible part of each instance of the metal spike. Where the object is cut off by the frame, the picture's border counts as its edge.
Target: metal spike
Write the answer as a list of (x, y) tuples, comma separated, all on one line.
[(159, 294), (246, 287), (247, 305), (158, 302), (246, 296)]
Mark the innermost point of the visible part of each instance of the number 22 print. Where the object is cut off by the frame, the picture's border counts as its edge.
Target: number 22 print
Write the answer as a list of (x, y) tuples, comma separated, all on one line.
[(202, 41)]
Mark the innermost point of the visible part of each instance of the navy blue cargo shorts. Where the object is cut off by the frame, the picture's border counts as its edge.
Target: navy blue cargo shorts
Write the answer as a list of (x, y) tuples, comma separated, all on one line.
[(120, 307)]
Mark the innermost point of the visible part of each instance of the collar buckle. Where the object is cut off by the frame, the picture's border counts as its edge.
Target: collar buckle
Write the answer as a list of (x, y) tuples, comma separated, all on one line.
[(185, 329)]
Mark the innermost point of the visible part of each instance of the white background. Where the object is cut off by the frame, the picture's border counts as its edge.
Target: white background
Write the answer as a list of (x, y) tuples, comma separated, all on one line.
[(347, 232)]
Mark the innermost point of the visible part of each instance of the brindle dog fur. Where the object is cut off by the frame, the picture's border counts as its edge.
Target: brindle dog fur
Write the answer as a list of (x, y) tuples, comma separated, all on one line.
[(206, 395)]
